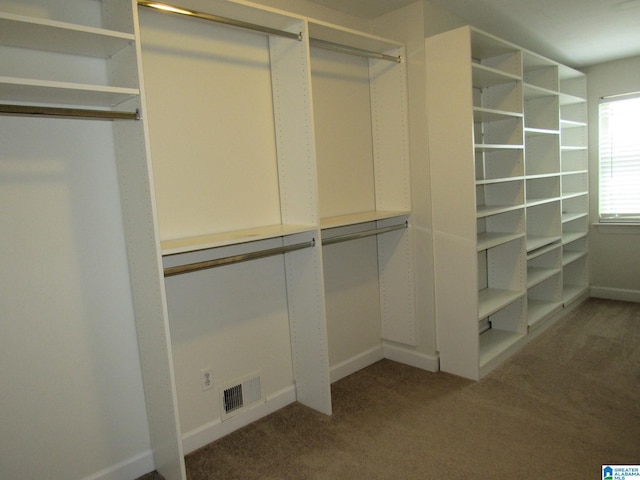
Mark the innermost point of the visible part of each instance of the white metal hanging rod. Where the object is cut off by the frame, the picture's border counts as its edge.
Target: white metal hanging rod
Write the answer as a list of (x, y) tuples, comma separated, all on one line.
[(337, 47), (243, 257), (363, 234), (163, 7), (59, 112)]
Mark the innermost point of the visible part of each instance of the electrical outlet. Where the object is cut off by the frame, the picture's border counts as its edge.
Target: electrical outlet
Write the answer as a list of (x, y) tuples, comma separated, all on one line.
[(206, 379)]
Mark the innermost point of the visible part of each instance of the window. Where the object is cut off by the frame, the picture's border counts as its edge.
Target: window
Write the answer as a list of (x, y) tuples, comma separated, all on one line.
[(620, 158)]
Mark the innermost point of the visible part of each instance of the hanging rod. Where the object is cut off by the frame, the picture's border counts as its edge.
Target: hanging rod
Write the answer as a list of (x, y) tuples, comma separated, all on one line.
[(363, 234), (337, 47), (163, 7), (58, 112), (243, 257)]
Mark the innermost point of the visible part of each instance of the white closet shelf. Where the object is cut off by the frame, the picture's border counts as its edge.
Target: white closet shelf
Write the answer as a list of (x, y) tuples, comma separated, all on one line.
[(569, 216), (495, 342), (487, 210), (531, 92), (575, 172), (326, 32), (535, 242), (572, 292), (361, 217), (483, 114), (48, 35), (532, 202), (571, 123), (566, 196), (531, 131), (15, 90), (490, 181), (485, 76), (539, 310), (488, 240), (490, 300), (570, 257), (569, 237), (536, 275), (203, 242), (567, 99)]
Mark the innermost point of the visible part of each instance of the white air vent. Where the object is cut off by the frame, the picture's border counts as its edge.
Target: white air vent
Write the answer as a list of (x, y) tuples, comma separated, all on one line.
[(238, 395)]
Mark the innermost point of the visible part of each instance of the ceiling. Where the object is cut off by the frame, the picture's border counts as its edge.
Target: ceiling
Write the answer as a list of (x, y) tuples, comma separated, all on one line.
[(575, 32)]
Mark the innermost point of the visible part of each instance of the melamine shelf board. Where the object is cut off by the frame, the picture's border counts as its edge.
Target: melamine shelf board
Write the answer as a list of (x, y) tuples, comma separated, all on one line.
[(572, 292), (488, 240), (48, 35), (567, 99), (537, 275), (571, 123), (531, 131), (490, 181), (361, 217), (566, 196), (531, 92), (482, 114), (535, 242), (485, 147), (538, 310), (484, 76), (570, 257), (532, 202), (543, 175), (203, 242), (569, 216), (490, 300), (573, 148), (494, 342), (487, 210), (541, 251), (575, 172), (52, 92), (572, 237), (345, 36)]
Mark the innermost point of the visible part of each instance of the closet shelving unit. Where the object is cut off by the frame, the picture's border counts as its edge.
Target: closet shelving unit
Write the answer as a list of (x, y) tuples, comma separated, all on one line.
[(575, 183), (478, 193), (360, 110), (515, 254)]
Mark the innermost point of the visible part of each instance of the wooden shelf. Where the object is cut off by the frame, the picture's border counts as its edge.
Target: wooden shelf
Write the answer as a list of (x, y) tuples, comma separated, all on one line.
[(570, 257), (485, 76), (482, 114), (495, 342), (534, 242)]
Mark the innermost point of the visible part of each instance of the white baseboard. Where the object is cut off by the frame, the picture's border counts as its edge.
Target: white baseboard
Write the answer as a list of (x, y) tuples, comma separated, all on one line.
[(615, 294), (355, 363), (212, 431), (126, 470), (431, 363)]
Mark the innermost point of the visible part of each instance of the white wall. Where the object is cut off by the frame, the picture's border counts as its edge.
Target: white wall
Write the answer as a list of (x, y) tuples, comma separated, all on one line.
[(71, 400), (614, 252)]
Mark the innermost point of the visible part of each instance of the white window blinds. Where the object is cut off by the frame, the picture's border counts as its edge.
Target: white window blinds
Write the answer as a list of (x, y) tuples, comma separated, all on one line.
[(620, 158)]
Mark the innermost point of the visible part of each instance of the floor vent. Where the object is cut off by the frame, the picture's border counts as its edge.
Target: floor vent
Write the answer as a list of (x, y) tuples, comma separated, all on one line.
[(241, 394)]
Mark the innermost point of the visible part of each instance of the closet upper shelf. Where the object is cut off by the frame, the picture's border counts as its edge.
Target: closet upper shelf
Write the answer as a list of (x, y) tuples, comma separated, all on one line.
[(326, 32), (53, 36), (52, 92), (362, 217), (203, 242)]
